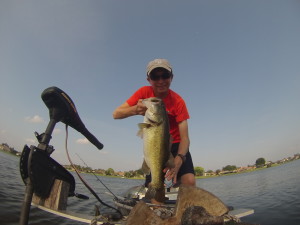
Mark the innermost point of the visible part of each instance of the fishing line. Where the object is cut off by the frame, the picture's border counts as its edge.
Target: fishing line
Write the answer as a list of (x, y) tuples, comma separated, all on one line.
[(81, 178), (97, 177)]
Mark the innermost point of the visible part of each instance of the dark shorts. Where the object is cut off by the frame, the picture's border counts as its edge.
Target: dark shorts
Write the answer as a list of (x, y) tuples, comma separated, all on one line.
[(186, 167)]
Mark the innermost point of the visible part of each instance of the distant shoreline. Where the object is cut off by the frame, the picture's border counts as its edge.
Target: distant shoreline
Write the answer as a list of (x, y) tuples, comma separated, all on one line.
[(197, 177), (11, 151)]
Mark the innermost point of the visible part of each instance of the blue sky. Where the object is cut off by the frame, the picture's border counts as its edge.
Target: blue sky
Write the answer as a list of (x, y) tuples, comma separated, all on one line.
[(236, 64)]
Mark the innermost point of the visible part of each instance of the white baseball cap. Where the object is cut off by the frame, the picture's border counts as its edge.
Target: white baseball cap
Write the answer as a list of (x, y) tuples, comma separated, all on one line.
[(156, 63)]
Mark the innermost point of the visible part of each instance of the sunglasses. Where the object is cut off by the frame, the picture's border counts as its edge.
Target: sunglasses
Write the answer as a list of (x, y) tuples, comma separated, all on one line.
[(163, 76)]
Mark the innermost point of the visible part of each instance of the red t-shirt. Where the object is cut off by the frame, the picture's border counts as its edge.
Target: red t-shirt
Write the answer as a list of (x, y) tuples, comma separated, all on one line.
[(175, 106)]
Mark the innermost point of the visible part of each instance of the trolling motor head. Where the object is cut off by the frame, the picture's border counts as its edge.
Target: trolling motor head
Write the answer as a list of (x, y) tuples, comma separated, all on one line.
[(38, 170), (62, 108), (35, 162)]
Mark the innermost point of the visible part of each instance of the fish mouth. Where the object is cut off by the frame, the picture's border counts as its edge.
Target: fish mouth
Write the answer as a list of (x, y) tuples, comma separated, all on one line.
[(155, 100)]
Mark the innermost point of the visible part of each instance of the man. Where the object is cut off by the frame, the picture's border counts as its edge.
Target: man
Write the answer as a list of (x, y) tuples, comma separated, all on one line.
[(160, 76)]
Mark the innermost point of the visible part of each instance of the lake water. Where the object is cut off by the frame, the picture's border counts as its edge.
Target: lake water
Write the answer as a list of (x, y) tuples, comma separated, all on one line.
[(273, 193)]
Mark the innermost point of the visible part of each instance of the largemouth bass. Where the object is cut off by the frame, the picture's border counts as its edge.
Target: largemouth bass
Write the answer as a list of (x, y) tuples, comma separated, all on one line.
[(156, 137)]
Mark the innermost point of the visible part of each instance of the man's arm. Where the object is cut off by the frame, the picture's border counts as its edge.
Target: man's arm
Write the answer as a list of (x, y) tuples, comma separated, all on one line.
[(182, 149), (125, 110), (184, 138)]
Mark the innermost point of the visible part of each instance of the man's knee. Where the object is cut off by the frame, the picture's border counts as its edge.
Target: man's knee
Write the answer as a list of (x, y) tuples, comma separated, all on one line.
[(188, 179)]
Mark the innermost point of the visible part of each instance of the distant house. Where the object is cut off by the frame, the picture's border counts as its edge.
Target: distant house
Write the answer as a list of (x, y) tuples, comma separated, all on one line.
[(207, 174), (245, 168), (227, 171), (120, 173)]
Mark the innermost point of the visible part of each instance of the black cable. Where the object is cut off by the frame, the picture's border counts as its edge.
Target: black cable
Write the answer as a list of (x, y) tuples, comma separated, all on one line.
[(83, 181)]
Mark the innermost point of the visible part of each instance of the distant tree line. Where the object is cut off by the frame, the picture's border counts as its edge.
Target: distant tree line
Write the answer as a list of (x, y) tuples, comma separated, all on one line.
[(199, 171)]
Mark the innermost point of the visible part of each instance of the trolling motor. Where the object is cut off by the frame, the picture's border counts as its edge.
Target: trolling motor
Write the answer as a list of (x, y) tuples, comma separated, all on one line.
[(38, 170)]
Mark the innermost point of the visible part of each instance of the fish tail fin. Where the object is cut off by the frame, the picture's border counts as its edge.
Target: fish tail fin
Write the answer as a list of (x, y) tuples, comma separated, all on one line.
[(155, 193)]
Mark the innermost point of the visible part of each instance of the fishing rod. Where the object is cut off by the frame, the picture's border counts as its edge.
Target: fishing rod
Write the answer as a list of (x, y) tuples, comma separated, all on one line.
[(82, 180), (97, 177)]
